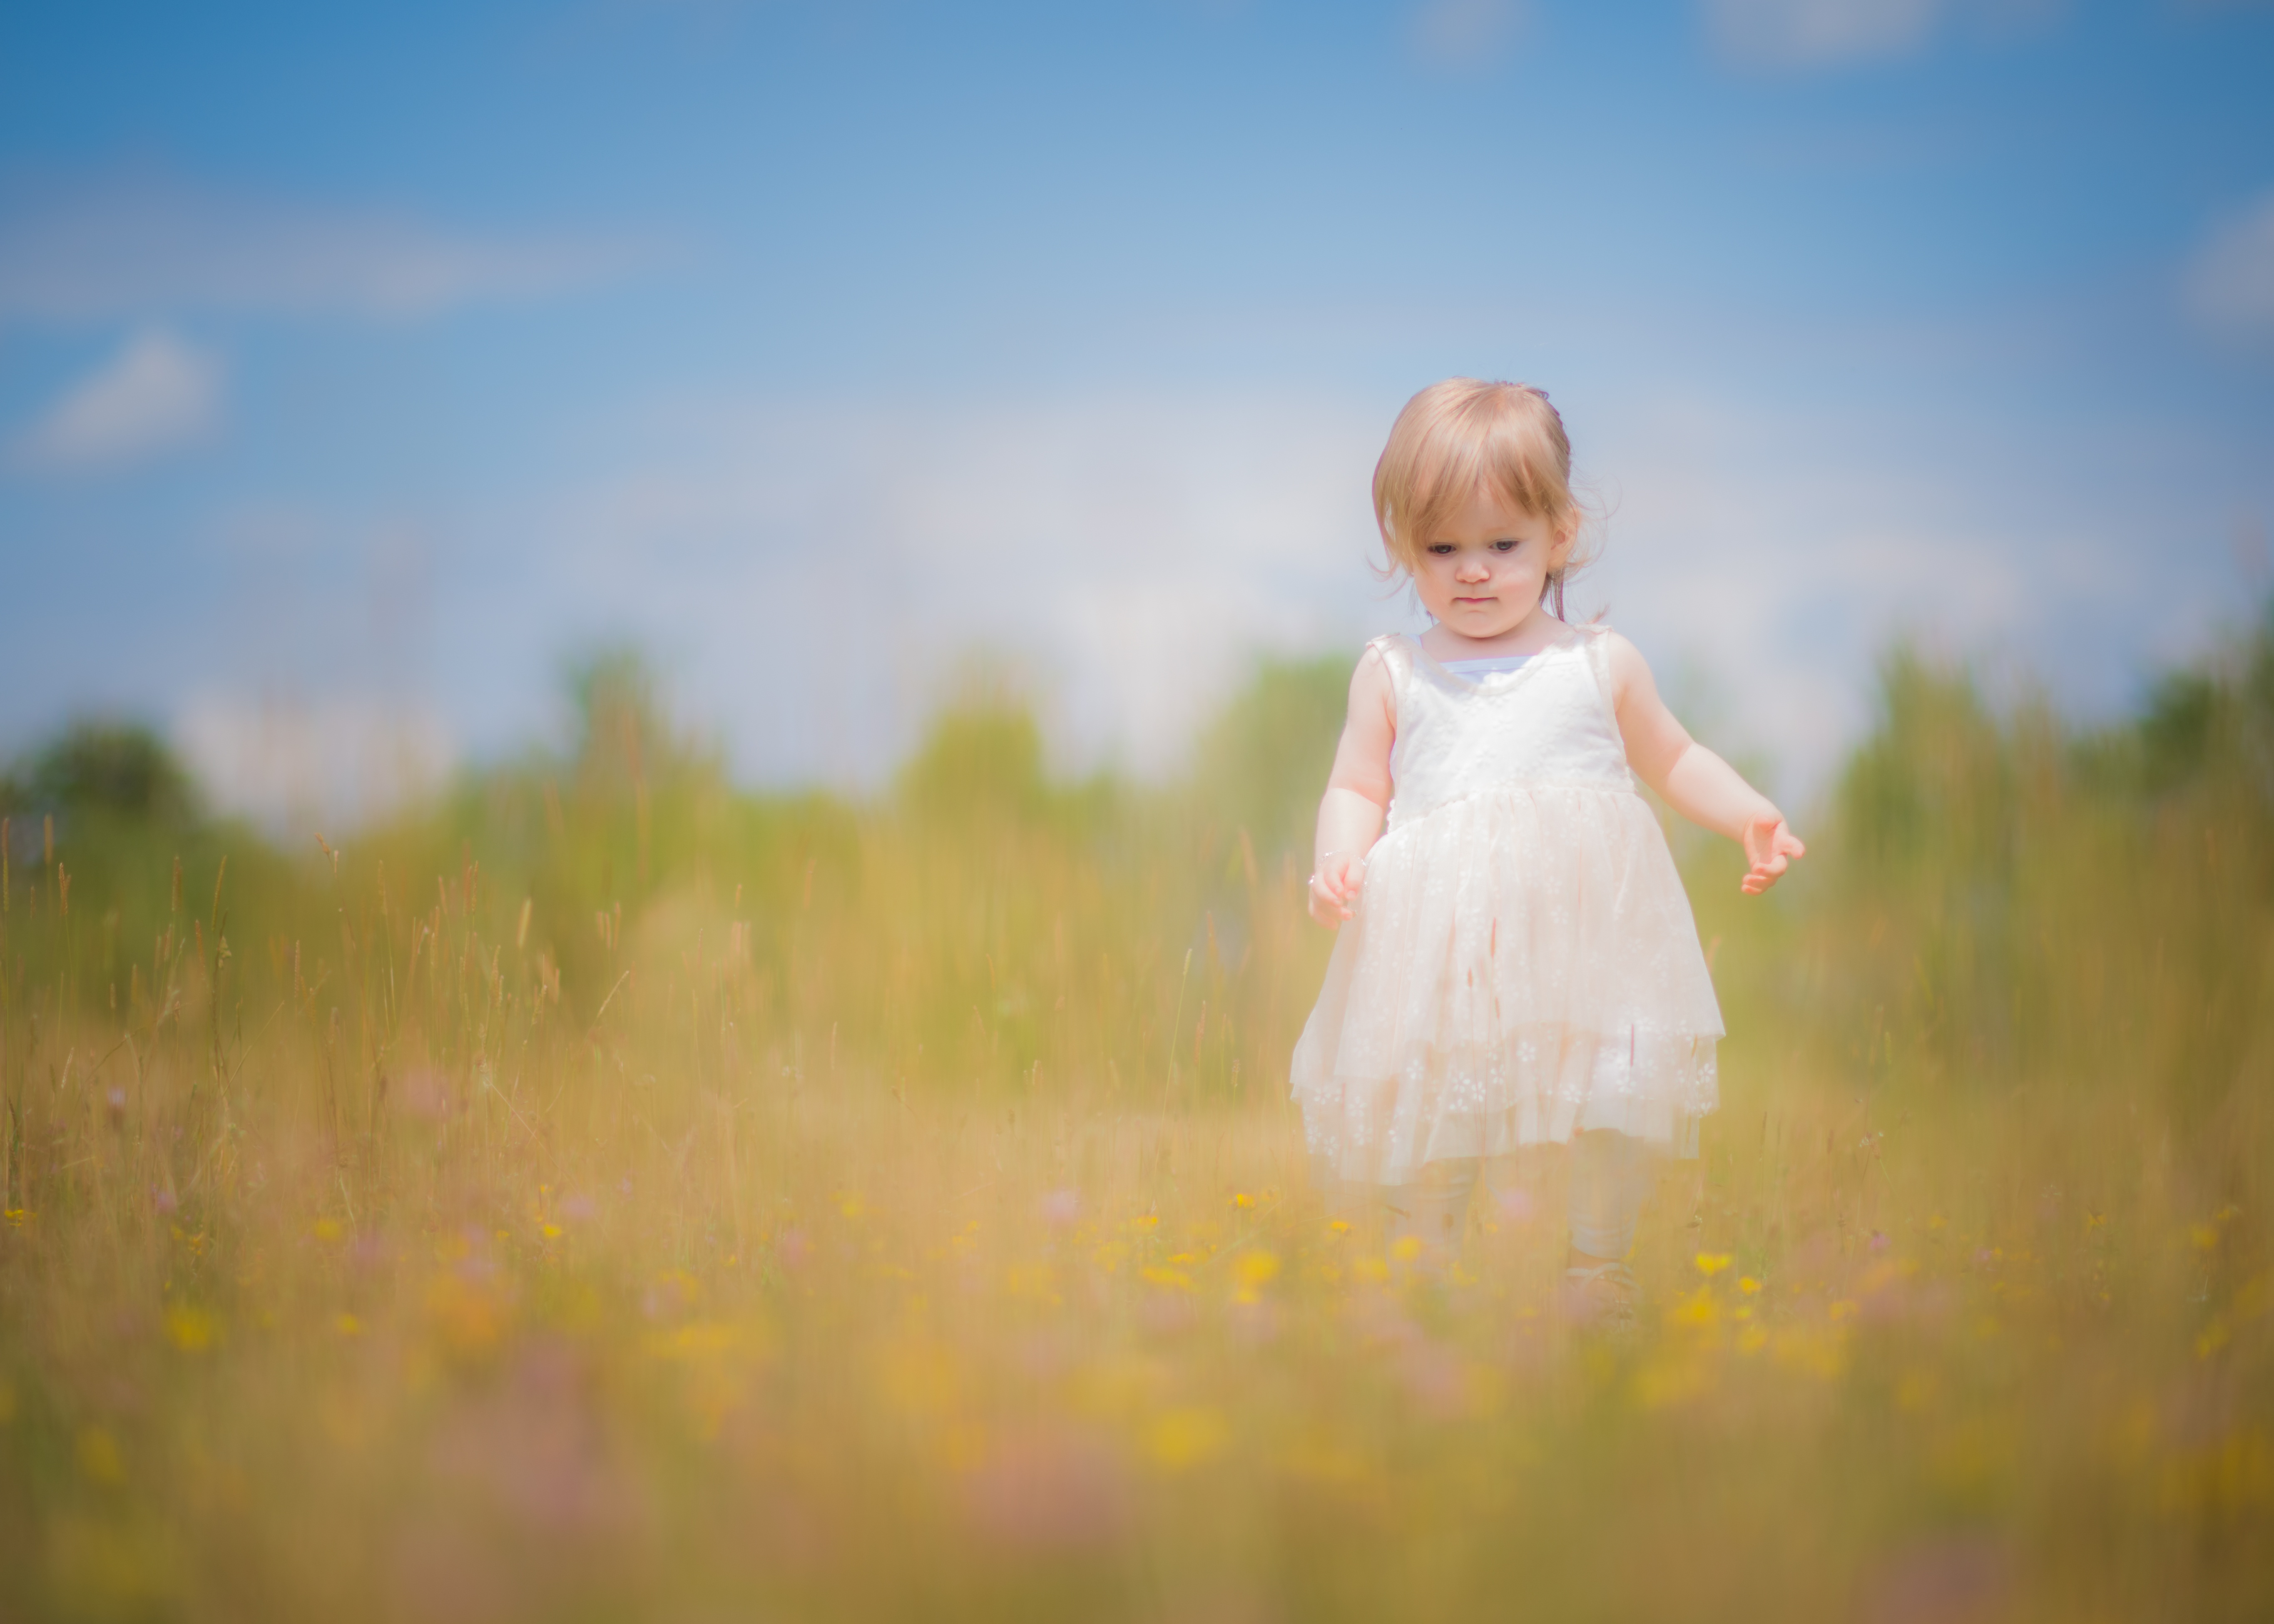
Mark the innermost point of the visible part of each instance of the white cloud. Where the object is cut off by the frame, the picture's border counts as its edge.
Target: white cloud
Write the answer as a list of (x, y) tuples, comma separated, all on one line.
[(2229, 285), (1467, 33), (296, 763), (158, 394), (1803, 34), (1807, 33), (819, 572), (110, 248)]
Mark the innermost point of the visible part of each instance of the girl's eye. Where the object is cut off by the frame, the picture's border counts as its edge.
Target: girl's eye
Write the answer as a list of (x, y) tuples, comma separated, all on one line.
[(1503, 546), (1441, 547)]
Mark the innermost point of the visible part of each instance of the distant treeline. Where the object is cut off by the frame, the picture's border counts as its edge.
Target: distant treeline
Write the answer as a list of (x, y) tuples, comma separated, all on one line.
[(1991, 899)]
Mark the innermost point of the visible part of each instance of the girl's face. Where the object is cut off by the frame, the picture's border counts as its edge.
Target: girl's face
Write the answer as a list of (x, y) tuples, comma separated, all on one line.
[(1483, 572)]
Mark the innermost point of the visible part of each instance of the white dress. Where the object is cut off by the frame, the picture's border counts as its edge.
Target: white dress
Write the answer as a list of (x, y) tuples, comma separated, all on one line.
[(1522, 963)]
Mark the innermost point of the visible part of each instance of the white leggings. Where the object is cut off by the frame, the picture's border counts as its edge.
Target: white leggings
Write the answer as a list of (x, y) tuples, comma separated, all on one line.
[(1609, 1176)]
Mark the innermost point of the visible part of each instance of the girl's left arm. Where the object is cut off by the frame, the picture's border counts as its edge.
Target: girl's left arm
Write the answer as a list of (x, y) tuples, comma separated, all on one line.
[(1694, 781)]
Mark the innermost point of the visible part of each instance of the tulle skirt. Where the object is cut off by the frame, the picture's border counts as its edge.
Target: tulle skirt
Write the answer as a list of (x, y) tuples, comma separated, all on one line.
[(1522, 964)]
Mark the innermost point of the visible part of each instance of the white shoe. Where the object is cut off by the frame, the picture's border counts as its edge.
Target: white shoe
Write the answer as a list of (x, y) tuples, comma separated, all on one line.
[(1603, 1296)]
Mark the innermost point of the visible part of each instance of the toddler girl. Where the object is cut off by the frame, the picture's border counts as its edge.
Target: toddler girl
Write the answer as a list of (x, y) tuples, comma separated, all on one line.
[(1519, 965)]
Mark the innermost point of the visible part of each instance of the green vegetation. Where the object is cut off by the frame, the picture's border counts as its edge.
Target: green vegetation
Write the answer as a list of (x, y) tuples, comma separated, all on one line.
[(604, 1193)]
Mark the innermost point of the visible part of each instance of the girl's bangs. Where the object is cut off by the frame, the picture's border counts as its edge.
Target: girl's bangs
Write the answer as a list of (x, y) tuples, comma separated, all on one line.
[(1505, 460)]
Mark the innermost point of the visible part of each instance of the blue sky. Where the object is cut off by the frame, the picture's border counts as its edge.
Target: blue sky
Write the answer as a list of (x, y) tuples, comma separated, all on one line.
[(355, 370)]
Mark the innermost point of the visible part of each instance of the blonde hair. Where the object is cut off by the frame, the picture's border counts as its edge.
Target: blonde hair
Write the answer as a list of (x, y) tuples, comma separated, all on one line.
[(1464, 432)]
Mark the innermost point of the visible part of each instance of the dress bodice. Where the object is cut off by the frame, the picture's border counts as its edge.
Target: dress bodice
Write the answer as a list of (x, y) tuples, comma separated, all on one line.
[(1549, 722)]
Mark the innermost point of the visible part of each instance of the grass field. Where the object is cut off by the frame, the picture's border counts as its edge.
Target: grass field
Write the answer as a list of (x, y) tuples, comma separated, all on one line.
[(607, 1195)]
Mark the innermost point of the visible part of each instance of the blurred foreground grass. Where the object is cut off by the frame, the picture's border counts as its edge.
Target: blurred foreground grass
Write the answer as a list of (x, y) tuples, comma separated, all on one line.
[(608, 1195)]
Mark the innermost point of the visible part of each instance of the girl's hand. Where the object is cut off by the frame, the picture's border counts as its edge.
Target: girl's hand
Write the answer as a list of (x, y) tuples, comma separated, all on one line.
[(1335, 888), (1770, 848)]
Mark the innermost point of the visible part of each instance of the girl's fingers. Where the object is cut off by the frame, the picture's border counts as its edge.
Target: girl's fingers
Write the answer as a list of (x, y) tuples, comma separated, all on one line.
[(1769, 847), (1330, 898), (1336, 890), (1763, 875)]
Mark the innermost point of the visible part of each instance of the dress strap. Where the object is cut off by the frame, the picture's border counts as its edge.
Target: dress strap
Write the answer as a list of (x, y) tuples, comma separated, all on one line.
[(1396, 651), (1598, 634), (1599, 652)]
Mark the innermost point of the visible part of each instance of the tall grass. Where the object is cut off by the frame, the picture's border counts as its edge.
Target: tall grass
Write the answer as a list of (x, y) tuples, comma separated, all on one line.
[(606, 1193)]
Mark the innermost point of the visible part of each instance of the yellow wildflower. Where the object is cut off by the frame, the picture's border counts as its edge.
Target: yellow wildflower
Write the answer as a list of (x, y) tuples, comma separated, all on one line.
[(1185, 1438), (1257, 1267), (192, 1330), (1712, 1263)]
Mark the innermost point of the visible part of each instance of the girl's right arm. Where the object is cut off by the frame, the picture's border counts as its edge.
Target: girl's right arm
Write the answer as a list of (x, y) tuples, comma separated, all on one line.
[(1358, 792)]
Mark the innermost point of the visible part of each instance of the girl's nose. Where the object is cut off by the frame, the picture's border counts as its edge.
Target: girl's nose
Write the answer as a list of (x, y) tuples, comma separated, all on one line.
[(1474, 569)]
